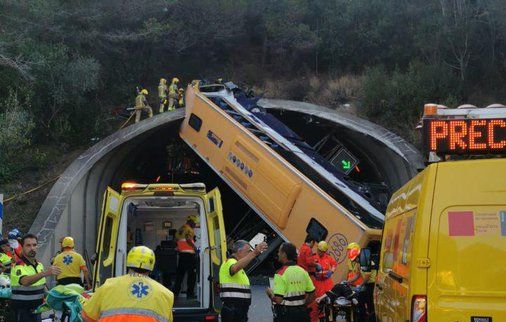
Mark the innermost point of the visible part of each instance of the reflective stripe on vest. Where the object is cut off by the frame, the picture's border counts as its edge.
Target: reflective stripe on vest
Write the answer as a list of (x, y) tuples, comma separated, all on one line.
[(184, 247), (294, 299), (232, 290), (132, 311), (27, 293)]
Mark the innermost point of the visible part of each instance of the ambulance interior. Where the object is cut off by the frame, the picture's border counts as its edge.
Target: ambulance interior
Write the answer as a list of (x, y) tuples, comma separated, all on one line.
[(153, 222)]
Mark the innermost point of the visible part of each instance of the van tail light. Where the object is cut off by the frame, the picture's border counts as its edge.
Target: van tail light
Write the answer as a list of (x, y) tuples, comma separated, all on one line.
[(419, 308), (211, 318)]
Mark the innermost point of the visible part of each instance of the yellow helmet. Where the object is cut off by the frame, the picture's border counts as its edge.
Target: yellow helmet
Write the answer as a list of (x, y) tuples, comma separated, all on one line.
[(163, 81), (175, 80), (141, 257), (323, 246), (67, 242), (193, 218), (353, 246), (144, 91)]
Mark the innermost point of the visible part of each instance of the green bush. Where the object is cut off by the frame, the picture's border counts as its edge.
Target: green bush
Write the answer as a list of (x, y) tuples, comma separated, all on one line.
[(396, 99)]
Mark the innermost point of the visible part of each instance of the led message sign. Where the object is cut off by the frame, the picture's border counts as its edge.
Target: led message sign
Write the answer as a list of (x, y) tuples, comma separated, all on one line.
[(464, 136)]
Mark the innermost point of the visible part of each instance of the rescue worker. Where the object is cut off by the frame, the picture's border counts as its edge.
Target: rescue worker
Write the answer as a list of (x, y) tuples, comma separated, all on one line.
[(366, 296), (162, 94), (235, 292), (132, 297), (323, 275), (354, 276), (28, 281), (71, 264), (180, 98), (173, 93), (185, 238), (141, 104), (6, 256), (306, 255), (293, 289)]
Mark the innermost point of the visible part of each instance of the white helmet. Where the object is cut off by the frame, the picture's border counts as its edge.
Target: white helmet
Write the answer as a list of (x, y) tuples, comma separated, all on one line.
[(5, 282)]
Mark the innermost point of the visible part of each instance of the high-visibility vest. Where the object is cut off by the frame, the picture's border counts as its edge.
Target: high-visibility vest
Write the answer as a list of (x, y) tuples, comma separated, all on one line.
[(173, 89), (131, 297), (31, 295), (6, 261), (234, 288), (292, 282), (354, 271), (183, 234), (162, 91), (140, 101)]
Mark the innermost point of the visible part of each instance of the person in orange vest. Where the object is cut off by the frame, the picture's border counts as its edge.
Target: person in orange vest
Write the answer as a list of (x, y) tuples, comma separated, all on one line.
[(187, 251), (132, 297), (326, 265)]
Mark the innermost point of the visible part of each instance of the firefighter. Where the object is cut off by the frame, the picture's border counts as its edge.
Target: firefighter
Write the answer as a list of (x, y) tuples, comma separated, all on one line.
[(293, 289), (180, 98), (28, 281), (141, 104), (306, 255), (71, 264), (323, 276), (162, 94), (131, 297), (6, 256), (366, 296), (173, 93), (187, 251), (235, 290)]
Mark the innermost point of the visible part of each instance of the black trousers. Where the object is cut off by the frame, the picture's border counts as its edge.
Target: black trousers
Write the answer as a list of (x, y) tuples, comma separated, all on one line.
[(366, 303), (231, 312), (26, 315), (187, 265), (284, 313)]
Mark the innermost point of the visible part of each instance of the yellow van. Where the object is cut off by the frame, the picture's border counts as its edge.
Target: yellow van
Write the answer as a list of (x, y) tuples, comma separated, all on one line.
[(150, 214), (444, 246)]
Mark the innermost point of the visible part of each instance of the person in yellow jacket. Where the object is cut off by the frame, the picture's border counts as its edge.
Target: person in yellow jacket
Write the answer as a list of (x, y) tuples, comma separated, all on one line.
[(173, 92), (180, 98), (141, 104), (235, 292), (71, 264), (132, 297), (187, 263), (28, 281), (6, 255), (162, 94)]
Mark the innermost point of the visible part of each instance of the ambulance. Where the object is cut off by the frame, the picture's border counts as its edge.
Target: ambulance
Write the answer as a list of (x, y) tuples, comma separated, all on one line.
[(444, 241), (150, 214)]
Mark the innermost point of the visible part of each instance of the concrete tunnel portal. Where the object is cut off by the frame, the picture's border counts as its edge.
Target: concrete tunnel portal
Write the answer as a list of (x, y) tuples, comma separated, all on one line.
[(152, 151)]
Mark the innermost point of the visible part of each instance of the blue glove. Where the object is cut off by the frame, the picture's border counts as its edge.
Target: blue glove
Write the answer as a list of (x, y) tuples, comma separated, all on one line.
[(328, 274), (318, 267)]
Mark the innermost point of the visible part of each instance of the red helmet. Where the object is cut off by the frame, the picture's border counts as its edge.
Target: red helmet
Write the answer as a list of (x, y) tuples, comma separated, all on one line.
[(353, 253)]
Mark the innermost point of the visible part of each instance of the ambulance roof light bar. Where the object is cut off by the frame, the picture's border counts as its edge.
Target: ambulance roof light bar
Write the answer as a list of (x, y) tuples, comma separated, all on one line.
[(465, 111)]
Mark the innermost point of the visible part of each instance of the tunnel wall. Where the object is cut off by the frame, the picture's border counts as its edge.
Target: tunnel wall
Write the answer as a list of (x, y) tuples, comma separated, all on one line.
[(73, 205)]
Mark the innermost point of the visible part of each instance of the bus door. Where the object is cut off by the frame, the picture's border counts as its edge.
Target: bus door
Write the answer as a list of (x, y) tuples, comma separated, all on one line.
[(107, 237), (217, 240)]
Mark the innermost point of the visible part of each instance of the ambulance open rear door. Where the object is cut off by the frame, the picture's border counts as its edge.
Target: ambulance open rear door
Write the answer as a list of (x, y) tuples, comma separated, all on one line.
[(107, 237), (217, 240)]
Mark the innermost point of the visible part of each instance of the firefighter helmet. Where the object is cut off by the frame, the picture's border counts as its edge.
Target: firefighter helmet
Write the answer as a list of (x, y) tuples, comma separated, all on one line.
[(323, 246)]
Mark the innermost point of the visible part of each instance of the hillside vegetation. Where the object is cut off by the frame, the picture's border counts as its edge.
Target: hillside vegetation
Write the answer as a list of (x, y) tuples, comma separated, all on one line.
[(64, 65)]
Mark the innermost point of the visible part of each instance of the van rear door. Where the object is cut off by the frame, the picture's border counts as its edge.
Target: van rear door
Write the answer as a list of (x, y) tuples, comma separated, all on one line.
[(107, 237), (217, 240), (468, 243)]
